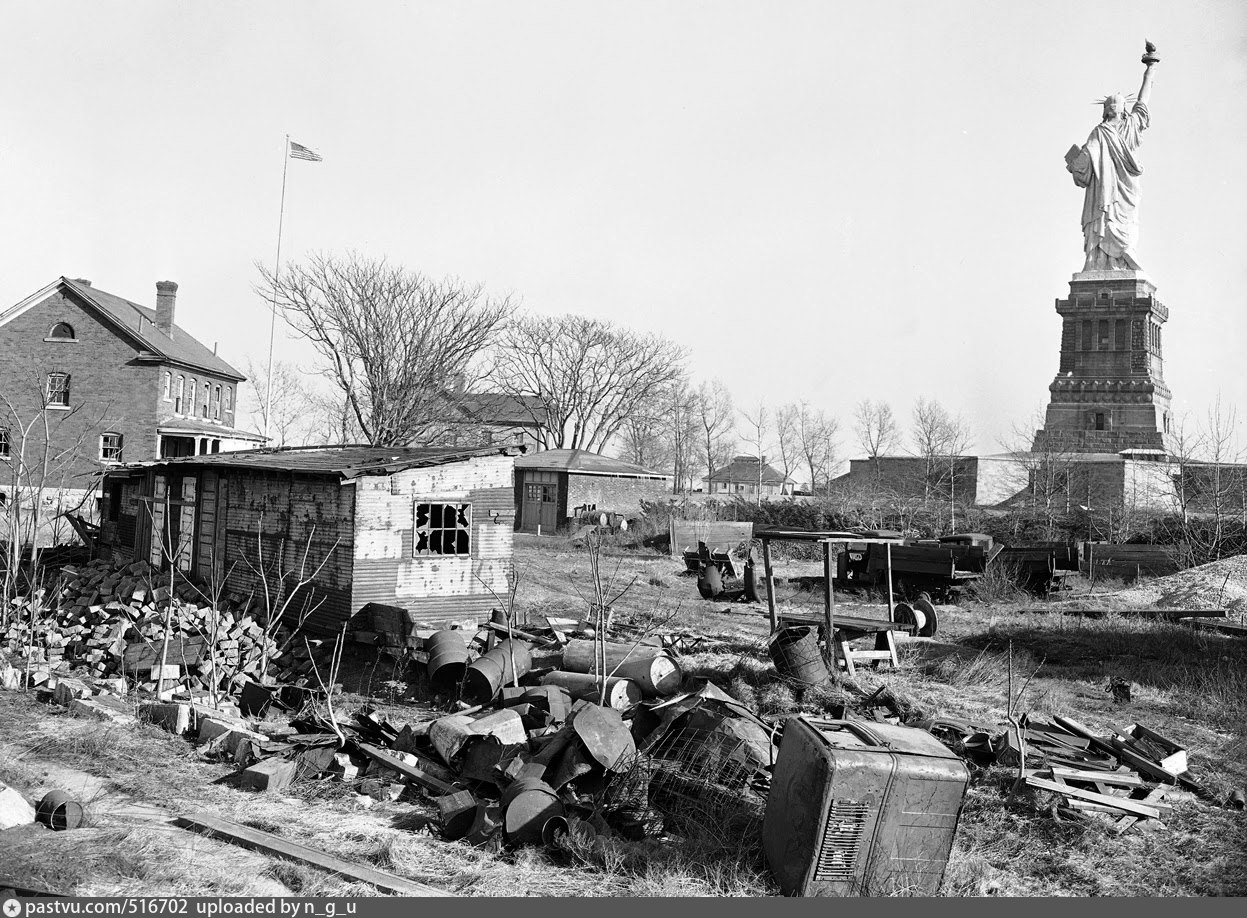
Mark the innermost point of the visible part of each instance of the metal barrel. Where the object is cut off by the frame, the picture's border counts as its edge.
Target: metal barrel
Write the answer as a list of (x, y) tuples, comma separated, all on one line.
[(796, 655), (488, 674), (59, 811), (448, 658), (528, 804)]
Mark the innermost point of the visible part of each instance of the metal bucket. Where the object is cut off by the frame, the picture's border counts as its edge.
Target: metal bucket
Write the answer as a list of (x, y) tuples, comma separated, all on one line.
[(59, 811), (528, 804), (796, 654), (488, 674), (448, 659)]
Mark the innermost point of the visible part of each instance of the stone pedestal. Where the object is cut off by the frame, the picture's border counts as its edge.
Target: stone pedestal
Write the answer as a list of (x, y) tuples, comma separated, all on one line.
[(1109, 394)]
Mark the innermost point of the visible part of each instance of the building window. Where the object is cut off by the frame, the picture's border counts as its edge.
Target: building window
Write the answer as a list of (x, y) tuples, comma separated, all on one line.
[(110, 447), (216, 404), (1099, 420), (58, 390), (443, 529), (168, 386), (1086, 334), (190, 397), (229, 398), (1102, 335), (1121, 328), (206, 408), (62, 331), (5, 445)]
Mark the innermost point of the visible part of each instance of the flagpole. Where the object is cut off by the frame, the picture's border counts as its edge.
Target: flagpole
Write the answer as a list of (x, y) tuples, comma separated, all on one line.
[(272, 328)]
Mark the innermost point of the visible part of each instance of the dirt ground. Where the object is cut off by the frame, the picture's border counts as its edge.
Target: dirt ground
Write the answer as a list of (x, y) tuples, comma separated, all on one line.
[(1185, 684)]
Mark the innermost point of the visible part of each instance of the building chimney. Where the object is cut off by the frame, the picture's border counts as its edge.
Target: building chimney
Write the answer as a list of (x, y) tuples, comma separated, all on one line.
[(83, 281), (166, 296)]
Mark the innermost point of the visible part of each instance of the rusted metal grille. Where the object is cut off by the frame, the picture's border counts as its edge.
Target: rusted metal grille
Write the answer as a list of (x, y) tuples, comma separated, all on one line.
[(837, 855)]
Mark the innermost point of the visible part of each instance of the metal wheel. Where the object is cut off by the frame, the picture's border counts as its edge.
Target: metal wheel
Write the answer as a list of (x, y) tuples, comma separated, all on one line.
[(927, 608)]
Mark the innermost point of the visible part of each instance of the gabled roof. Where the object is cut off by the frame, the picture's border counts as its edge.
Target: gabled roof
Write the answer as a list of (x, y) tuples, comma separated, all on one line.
[(138, 325), (745, 470), (498, 408), (347, 462), (583, 462)]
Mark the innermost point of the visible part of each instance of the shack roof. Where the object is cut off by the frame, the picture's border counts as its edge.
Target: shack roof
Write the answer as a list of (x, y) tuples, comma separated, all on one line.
[(346, 462), (583, 462)]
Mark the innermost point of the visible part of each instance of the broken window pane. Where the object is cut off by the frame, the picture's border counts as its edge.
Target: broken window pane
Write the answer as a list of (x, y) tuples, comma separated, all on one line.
[(442, 529)]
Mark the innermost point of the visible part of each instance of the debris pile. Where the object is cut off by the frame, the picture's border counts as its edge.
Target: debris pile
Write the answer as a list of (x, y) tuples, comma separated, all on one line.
[(112, 621), (1122, 777)]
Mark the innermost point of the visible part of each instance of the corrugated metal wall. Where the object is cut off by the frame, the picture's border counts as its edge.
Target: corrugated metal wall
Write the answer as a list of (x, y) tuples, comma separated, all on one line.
[(436, 588), (271, 519)]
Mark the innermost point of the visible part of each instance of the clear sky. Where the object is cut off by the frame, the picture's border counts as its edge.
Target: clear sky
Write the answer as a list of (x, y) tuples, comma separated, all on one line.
[(822, 200)]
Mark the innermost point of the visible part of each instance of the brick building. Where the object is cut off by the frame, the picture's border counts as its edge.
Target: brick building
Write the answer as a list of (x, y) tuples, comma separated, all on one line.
[(114, 381)]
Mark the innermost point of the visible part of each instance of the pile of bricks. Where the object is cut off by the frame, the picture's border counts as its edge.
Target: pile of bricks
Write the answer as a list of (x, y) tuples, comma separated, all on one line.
[(112, 620)]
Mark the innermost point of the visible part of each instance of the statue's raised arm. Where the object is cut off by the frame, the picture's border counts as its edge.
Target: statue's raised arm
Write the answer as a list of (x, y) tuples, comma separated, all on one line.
[(1150, 60), (1109, 168)]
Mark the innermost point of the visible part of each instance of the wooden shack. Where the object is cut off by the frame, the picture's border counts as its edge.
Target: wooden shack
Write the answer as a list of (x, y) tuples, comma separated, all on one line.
[(429, 530)]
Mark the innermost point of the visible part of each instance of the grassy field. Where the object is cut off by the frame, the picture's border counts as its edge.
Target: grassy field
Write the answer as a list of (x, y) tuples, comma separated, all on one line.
[(1185, 684)]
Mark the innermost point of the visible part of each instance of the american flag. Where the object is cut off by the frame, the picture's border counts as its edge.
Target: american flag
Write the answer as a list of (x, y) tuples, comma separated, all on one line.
[(298, 151)]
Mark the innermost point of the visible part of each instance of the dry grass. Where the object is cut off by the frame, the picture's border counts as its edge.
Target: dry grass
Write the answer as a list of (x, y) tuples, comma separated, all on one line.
[(1186, 684)]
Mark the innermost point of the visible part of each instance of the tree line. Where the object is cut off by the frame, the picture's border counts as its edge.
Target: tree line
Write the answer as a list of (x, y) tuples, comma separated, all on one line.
[(393, 345)]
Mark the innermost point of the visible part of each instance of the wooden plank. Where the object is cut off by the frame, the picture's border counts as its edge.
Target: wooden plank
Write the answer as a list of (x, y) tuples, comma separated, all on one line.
[(770, 584), (1153, 796), (1100, 777), (247, 837), (1121, 803), (413, 772), (181, 651)]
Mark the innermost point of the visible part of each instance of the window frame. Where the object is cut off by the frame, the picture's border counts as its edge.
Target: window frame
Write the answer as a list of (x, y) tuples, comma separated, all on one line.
[(168, 387), (63, 390), (53, 337), (461, 507), (119, 448), (216, 404), (180, 399), (205, 410), (6, 444)]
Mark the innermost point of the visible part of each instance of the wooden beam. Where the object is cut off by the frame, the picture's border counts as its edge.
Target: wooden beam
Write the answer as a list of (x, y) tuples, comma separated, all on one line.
[(411, 772), (770, 583), (1133, 807), (247, 837)]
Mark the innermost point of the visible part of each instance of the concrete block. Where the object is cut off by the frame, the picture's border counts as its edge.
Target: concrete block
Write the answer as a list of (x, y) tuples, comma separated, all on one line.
[(115, 686), (270, 775), (10, 677), (176, 718), (103, 707), (171, 671), (68, 689), (212, 726), (15, 810)]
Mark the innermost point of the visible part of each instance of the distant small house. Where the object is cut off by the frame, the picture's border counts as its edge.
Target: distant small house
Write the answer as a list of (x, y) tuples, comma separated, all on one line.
[(740, 478), (429, 530), (550, 484)]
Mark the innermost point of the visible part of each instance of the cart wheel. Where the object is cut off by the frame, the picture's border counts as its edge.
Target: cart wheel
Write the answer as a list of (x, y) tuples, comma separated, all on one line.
[(709, 582), (927, 608), (903, 612)]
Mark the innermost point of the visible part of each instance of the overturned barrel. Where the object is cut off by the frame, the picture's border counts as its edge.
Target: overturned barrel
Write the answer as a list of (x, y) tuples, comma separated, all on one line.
[(621, 694), (651, 668), (448, 659), (795, 652), (528, 807), (491, 672)]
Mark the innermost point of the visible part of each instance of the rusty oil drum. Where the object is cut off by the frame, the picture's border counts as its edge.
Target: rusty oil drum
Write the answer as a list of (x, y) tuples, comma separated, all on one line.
[(795, 652), (491, 672), (448, 659)]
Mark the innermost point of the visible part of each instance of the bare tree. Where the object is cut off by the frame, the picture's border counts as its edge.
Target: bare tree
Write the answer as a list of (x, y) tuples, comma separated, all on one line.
[(286, 402), (643, 438), (580, 379), (786, 438), (876, 428), (390, 338), (756, 434), (716, 423), (816, 443), (940, 439), (682, 423)]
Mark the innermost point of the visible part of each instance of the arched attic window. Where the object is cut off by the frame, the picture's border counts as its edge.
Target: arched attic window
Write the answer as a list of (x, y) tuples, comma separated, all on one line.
[(62, 331)]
